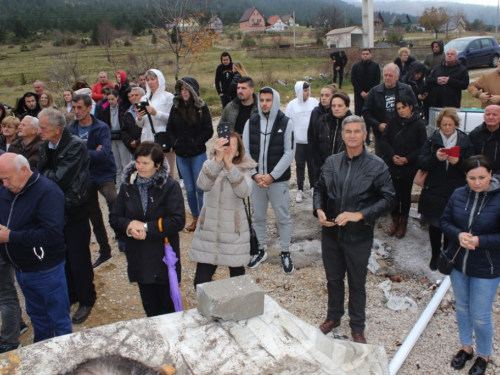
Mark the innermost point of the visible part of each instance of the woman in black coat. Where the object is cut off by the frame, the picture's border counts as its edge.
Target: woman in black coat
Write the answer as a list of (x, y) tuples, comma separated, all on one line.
[(444, 174), (471, 222), (150, 207), (401, 142), (403, 62), (415, 79)]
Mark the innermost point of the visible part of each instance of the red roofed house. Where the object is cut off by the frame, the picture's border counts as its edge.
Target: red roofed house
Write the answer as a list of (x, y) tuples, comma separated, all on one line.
[(252, 20), (276, 24)]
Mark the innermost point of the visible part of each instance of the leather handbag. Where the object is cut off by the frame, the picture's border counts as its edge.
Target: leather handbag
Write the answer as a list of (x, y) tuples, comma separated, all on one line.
[(254, 241), (159, 137), (444, 263), (420, 177)]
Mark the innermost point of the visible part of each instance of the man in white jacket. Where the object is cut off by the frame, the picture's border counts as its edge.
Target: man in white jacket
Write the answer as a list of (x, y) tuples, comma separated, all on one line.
[(299, 111)]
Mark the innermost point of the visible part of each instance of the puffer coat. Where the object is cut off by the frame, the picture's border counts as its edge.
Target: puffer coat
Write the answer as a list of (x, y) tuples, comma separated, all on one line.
[(222, 235)]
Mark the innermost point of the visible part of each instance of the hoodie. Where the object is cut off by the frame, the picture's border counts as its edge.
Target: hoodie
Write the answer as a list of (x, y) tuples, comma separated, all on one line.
[(433, 59), (224, 75), (2, 112), (22, 110), (161, 101), (266, 129), (122, 90), (299, 112)]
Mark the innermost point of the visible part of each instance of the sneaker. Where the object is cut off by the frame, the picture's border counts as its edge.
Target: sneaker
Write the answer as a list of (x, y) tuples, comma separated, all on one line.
[(312, 192), (257, 259), (4, 347), (181, 182), (298, 197), (286, 262), (23, 328)]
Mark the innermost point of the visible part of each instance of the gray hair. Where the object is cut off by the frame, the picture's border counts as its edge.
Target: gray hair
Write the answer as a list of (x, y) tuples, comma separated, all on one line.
[(54, 117), (452, 50), (39, 82), (138, 88), (354, 118), (34, 122), (87, 99), (103, 72), (20, 161), (392, 66)]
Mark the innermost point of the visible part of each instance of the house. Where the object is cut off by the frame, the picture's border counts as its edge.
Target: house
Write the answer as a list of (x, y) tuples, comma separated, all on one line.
[(455, 24), (378, 23), (288, 19), (275, 23), (345, 37), (252, 20), (402, 20), (183, 24), (216, 23)]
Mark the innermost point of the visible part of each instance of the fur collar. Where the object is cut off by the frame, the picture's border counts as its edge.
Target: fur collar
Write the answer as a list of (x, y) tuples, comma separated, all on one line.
[(160, 178)]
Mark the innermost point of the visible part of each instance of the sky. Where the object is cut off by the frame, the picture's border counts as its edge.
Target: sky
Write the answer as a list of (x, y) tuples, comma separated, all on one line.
[(478, 2)]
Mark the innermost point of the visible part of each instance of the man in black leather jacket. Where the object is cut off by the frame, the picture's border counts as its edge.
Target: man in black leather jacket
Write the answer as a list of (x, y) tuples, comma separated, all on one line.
[(354, 190), (64, 159)]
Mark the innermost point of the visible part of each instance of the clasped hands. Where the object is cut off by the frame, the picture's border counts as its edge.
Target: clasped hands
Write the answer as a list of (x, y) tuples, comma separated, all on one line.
[(468, 240), (341, 220), (442, 80), (399, 160), (136, 230)]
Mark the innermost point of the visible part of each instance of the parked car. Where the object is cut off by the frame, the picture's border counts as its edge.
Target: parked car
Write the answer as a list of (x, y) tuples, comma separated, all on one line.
[(476, 50)]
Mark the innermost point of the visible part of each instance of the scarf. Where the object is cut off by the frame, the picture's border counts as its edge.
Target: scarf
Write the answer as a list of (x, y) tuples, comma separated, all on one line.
[(143, 184), (449, 142)]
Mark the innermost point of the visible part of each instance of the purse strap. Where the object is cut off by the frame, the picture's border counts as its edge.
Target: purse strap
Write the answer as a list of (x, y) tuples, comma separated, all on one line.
[(247, 211)]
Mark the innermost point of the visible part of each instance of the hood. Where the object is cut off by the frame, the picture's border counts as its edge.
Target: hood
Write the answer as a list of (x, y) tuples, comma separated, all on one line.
[(23, 108), (3, 114), (85, 91), (226, 54), (161, 82), (276, 105), (160, 177), (299, 91), (441, 45), (194, 88), (123, 79), (415, 67)]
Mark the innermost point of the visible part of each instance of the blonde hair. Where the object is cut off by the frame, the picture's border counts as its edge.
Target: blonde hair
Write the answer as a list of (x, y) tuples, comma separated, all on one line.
[(448, 112), (50, 99), (240, 69), (11, 120), (404, 50)]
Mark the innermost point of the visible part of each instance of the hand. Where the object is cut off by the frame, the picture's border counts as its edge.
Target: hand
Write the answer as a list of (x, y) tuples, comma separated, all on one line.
[(495, 99), (4, 234), (267, 180), (403, 160), (220, 149), (442, 80), (422, 96), (99, 148), (322, 219), (397, 160), (337, 68), (229, 155), (345, 217), (453, 159), (485, 97), (136, 229), (133, 144), (468, 241), (221, 94), (442, 156), (151, 110), (364, 94), (382, 126), (140, 114)]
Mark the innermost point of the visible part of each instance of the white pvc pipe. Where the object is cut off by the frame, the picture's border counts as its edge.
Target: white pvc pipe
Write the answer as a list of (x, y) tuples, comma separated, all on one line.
[(419, 327)]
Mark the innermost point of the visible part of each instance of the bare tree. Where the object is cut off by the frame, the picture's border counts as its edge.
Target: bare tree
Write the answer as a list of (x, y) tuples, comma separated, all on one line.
[(328, 18), (105, 36), (65, 70), (141, 61)]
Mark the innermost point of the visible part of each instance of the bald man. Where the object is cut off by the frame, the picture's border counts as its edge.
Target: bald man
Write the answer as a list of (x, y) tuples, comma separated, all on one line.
[(486, 137)]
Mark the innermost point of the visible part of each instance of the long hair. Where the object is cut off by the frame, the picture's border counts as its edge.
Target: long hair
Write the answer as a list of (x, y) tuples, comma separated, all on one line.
[(188, 110), (240, 68), (50, 100)]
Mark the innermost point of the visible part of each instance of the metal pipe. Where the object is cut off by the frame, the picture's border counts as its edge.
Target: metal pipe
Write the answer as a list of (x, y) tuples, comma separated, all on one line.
[(418, 328)]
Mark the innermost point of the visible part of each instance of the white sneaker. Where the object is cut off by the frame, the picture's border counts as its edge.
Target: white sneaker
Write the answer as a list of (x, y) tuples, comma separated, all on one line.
[(181, 182), (298, 197), (312, 192)]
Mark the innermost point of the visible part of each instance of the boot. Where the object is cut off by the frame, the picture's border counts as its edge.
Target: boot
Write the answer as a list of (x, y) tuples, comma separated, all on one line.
[(402, 227), (394, 225), (192, 227), (434, 258)]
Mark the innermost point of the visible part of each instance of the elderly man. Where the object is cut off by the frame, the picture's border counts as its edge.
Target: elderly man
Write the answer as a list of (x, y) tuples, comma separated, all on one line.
[(29, 141), (380, 103), (39, 87), (354, 190), (31, 239), (446, 82), (102, 82), (486, 137), (64, 159), (486, 88)]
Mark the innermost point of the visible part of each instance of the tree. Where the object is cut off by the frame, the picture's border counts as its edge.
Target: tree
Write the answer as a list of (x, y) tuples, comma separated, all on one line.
[(327, 18), (20, 29), (184, 19), (3, 34), (434, 18), (67, 70)]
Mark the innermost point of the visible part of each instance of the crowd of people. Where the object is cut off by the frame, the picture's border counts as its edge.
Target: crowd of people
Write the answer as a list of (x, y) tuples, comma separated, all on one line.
[(125, 140)]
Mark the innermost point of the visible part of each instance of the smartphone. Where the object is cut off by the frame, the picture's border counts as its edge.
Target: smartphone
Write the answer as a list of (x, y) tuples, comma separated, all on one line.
[(223, 130)]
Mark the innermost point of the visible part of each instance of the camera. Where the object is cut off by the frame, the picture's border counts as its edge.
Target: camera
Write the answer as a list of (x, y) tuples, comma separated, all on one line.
[(141, 106)]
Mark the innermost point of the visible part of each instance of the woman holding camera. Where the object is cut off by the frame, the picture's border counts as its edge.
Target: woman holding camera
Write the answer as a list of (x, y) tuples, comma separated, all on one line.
[(471, 222), (153, 111)]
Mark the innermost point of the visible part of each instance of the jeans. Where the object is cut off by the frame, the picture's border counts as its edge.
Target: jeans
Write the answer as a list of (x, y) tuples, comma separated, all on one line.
[(108, 190), (9, 304), (302, 157), (47, 302), (205, 271), (474, 300), (122, 158), (190, 169)]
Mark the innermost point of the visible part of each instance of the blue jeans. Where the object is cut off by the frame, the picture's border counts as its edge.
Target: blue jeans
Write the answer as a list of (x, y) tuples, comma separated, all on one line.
[(190, 169), (9, 304), (474, 300), (47, 302)]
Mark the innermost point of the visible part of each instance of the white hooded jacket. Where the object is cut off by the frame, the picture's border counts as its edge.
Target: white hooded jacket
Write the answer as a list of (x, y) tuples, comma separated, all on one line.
[(300, 112)]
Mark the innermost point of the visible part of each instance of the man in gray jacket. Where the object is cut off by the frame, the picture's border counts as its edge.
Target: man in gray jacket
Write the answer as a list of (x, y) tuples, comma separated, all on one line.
[(241, 108), (269, 139)]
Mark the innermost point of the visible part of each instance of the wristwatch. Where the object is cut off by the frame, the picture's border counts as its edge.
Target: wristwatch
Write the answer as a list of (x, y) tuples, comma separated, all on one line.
[(146, 227)]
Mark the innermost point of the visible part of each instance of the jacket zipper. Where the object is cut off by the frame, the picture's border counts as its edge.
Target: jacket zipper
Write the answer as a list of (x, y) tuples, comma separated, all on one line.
[(343, 192), (264, 162), (466, 256), (489, 260)]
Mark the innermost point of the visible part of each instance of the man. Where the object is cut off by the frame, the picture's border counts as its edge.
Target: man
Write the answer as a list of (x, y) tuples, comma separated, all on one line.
[(486, 137), (28, 142), (354, 190), (223, 78), (142, 81), (268, 138), (339, 59), (242, 107), (487, 88), (365, 75), (96, 135), (39, 87), (131, 133), (28, 105), (102, 82), (380, 103), (436, 57), (31, 239), (446, 82), (299, 111)]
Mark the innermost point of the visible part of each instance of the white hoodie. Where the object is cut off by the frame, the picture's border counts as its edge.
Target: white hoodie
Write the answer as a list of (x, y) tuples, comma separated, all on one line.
[(300, 112)]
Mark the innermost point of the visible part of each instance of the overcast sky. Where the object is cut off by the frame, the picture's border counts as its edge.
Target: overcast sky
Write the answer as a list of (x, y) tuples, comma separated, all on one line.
[(479, 2)]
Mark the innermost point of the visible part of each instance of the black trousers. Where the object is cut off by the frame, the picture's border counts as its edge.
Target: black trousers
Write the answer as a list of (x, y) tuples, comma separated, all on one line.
[(378, 144), (403, 196), (79, 272), (225, 100), (205, 271), (339, 259), (108, 190), (301, 158), (156, 299), (359, 101), (340, 73), (436, 237)]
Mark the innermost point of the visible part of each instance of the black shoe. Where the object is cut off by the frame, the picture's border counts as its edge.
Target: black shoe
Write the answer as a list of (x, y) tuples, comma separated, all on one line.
[(101, 260), (257, 259), (458, 362), (81, 314), (433, 264), (121, 246), (479, 367)]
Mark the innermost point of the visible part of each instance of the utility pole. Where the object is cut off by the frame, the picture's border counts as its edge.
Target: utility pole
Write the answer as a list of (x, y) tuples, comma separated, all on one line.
[(294, 43), (496, 23)]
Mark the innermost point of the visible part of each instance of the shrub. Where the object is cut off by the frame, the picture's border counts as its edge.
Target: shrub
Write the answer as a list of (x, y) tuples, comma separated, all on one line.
[(248, 41), (239, 35), (22, 79), (127, 43), (24, 48)]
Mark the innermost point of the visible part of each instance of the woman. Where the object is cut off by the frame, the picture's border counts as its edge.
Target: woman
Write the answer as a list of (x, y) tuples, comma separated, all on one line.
[(67, 107), (149, 208), (445, 174), (403, 62), (401, 142), (160, 104), (46, 100), (122, 84), (471, 222), (222, 236), (238, 72), (415, 79), (189, 129), (9, 132)]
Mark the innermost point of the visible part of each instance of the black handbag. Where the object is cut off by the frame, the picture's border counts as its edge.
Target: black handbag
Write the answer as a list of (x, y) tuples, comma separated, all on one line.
[(444, 263), (254, 241), (159, 137)]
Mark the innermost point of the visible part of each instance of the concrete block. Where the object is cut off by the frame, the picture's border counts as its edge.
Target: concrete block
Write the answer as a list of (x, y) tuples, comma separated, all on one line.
[(235, 299)]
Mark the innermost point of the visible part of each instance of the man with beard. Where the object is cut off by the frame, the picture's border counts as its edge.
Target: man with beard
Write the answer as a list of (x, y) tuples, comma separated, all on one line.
[(241, 108), (28, 105), (224, 77)]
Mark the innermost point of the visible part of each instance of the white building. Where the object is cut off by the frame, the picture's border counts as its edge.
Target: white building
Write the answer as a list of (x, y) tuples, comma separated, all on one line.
[(345, 37)]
